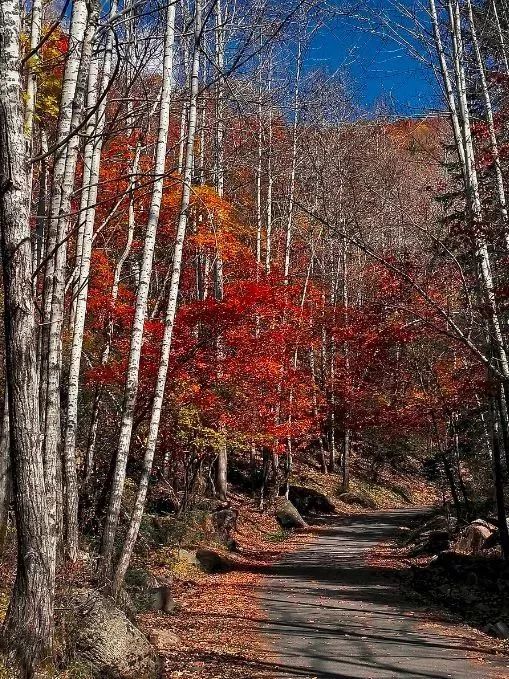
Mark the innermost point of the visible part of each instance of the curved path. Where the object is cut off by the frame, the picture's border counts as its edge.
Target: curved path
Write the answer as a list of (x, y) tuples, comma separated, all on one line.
[(332, 616)]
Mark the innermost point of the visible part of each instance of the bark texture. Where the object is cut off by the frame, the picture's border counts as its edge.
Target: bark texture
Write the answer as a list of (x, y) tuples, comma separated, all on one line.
[(29, 622)]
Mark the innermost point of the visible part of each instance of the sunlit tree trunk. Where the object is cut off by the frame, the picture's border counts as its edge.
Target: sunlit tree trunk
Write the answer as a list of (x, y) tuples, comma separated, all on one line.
[(140, 312), (499, 179), (5, 470), (171, 310), (75, 78), (31, 93), (293, 166), (222, 455), (500, 34), (345, 462), (270, 176), (92, 159)]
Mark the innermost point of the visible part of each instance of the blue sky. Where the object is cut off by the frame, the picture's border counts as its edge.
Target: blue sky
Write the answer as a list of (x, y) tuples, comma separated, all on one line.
[(376, 68)]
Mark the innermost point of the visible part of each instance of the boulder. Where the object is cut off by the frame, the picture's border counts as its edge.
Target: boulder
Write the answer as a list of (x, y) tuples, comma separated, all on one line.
[(472, 539), (436, 523), (485, 524), (156, 599), (138, 578), (360, 499), (146, 593), (224, 521), (310, 501), (431, 542), (106, 640), (499, 630), (188, 557), (288, 516), (211, 561)]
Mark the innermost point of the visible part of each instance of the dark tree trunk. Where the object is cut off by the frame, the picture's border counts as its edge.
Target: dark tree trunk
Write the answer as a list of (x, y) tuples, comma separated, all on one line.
[(452, 485), (29, 622), (498, 480), (345, 462)]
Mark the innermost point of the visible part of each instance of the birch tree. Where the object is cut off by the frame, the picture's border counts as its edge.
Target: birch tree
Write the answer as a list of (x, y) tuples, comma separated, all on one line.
[(92, 159), (171, 310), (140, 312), (29, 622)]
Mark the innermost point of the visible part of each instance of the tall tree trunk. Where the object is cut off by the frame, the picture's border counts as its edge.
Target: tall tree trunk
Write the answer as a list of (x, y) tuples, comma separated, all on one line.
[(75, 79), (29, 622), (93, 149), (293, 166), (222, 456), (500, 34), (270, 176), (162, 373), (31, 93), (498, 480), (345, 462), (140, 312), (499, 179)]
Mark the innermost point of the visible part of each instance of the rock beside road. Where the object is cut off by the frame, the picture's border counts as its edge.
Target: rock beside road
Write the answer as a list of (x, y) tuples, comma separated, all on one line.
[(287, 515), (473, 538), (310, 501), (360, 499), (106, 640)]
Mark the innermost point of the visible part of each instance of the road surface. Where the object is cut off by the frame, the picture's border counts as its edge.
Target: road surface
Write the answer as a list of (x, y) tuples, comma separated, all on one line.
[(332, 616)]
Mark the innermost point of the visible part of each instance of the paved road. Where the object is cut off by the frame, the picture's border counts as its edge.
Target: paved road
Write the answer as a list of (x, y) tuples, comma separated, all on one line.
[(332, 616)]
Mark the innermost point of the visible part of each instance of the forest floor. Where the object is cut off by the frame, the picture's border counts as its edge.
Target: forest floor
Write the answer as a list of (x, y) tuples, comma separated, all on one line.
[(317, 605)]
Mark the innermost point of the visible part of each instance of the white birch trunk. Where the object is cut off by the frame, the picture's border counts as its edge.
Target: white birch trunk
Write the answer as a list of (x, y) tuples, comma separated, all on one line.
[(93, 149), (64, 172), (472, 186), (291, 199), (132, 377), (503, 47), (222, 457), (259, 169), (499, 179), (270, 187), (448, 88), (170, 315)]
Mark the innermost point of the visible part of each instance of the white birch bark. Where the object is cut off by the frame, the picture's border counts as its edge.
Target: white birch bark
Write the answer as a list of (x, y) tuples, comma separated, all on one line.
[(472, 187), (270, 187), (293, 170), (499, 179), (259, 168), (31, 93), (503, 47), (82, 31), (222, 456), (92, 155), (132, 377), (170, 315), (447, 83)]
